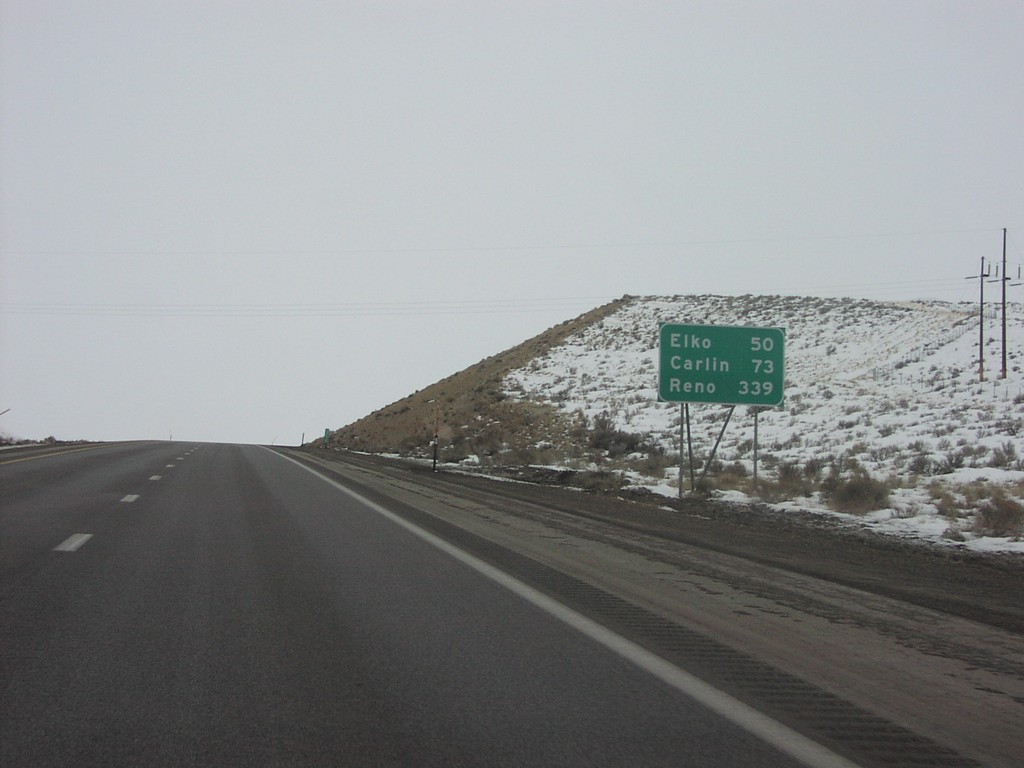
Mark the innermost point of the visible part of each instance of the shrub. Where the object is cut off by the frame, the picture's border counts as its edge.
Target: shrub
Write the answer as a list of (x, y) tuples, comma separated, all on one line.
[(813, 468), (1004, 455), (950, 463), (704, 486), (606, 436), (1000, 516), (1009, 425), (944, 502), (769, 490), (792, 481), (920, 465), (732, 476), (655, 463), (736, 469), (789, 482), (599, 480), (859, 494)]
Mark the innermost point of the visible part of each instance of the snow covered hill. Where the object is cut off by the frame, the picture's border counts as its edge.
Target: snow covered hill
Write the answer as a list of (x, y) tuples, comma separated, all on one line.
[(887, 391)]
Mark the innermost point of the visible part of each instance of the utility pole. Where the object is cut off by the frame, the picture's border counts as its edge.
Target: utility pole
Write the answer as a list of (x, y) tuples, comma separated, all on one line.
[(1005, 278), (981, 320)]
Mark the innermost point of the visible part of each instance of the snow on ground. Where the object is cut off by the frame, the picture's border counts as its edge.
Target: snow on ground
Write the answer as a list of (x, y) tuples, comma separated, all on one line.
[(894, 387)]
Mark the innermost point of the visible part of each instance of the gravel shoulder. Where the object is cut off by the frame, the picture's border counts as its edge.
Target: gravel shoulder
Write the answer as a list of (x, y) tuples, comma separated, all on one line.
[(984, 587)]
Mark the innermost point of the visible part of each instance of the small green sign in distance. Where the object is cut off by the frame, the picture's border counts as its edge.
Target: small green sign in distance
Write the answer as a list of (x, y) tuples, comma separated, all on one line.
[(725, 364)]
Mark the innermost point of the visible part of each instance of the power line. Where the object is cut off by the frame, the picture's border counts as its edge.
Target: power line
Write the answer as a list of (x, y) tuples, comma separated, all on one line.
[(364, 309), (871, 290), (512, 247)]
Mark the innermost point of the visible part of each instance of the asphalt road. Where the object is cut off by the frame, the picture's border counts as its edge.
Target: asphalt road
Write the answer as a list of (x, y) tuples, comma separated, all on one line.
[(173, 604)]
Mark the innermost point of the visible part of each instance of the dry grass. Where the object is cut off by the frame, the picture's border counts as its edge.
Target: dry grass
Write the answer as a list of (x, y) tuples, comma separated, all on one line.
[(471, 413), (999, 516), (945, 502), (858, 494)]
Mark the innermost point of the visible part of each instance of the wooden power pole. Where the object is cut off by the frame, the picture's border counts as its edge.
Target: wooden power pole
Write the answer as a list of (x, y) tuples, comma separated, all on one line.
[(1005, 278)]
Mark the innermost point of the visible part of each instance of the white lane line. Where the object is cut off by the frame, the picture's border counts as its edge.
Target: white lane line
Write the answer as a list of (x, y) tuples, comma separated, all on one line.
[(170, 466), (780, 736), (130, 498), (156, 477), (72, 542)]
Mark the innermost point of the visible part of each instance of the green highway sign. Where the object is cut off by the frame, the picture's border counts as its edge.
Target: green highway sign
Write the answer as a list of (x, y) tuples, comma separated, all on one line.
[(724, 364)]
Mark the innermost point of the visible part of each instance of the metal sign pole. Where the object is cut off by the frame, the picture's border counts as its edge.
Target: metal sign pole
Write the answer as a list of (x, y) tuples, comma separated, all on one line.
[(757, 412), (682, 422), (689, 447), (714, 450)]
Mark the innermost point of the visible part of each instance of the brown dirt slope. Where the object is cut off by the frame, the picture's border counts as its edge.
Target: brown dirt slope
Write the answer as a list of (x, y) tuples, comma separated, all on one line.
[(469, 410)]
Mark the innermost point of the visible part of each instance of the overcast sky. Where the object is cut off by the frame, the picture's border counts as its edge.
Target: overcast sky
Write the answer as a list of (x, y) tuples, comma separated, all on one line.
[(245, 221)]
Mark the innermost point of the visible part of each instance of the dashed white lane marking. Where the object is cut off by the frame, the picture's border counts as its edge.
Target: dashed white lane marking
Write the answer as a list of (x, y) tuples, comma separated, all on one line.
[(170, 466), (130, 498), (72, 542), (156, 477)]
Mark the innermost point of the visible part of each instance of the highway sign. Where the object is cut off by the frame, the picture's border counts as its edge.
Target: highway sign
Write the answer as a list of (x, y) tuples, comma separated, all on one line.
[(725, 364)]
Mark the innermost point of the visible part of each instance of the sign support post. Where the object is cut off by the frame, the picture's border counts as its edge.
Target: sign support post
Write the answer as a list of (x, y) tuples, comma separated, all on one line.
[(682, 442), (757, 412), (714, 449), (689, 445)]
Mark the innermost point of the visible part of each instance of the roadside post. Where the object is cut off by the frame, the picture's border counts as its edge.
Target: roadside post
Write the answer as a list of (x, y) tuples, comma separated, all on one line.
[(437, 428), (723, 364)]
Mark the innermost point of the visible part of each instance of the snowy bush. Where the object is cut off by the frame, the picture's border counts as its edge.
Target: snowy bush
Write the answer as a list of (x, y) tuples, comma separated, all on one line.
[(858, 494), (1000, 516)]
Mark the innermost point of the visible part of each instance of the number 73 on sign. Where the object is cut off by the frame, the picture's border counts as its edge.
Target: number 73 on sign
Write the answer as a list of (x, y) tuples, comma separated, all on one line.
[(731, 365)]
